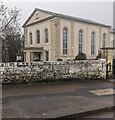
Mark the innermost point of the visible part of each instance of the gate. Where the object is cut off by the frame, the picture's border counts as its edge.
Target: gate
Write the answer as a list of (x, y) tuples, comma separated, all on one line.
[(113, 68)]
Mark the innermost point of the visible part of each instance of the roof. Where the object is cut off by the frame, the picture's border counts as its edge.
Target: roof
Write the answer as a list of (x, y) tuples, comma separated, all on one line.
[(66, 17)]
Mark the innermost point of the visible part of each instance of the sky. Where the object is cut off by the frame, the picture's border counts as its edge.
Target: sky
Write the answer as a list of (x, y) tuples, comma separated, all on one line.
[(99, 11)]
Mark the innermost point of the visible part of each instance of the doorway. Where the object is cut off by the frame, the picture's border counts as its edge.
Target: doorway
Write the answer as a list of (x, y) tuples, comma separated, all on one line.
[(37, 56)]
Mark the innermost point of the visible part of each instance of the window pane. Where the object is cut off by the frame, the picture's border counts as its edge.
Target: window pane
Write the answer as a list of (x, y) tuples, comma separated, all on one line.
[(47, 55), (80, 42), (113, 43), (30, 38), (46, 36), (65, 40), (38, 37), (92, 43), (104, 41)]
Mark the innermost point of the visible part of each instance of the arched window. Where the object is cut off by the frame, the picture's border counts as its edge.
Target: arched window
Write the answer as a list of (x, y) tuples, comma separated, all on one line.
[(92, 43), (46, 35), (80, 41), (65, 40), (30, 38), (104, 41), (38, 36)]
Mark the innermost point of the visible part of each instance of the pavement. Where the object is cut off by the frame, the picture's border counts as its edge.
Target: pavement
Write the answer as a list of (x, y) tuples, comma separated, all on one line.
[(56, 100)]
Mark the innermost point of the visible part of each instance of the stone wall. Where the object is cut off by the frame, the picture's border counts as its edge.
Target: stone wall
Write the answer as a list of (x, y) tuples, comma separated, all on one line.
[(51, 71)]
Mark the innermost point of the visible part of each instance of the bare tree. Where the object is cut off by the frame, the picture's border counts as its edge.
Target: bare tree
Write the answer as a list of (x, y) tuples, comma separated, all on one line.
[(8, 17), (10, 30)]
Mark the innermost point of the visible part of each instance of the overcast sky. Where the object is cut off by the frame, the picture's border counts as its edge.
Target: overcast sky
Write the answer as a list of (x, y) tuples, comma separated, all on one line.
[(98, 11)]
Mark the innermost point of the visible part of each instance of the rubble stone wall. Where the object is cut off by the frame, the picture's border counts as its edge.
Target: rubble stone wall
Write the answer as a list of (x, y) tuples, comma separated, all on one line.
[(60, 70)]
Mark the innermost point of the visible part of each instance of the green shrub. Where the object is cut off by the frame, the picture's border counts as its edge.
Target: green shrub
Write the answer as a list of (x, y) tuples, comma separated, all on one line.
[(81, 56), (99, 55), (59, 59)]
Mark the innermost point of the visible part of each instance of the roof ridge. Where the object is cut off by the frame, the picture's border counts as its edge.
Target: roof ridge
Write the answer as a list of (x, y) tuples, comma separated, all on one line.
[(50, 12), (75, 17)]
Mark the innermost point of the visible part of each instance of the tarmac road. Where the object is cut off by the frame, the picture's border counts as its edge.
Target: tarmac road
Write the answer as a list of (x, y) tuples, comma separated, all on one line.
[(53, 100), (107, 114), (53, 88)]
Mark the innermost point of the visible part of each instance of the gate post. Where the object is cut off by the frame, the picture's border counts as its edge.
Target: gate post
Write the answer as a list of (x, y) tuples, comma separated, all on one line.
[(107, 71), (113, 69)]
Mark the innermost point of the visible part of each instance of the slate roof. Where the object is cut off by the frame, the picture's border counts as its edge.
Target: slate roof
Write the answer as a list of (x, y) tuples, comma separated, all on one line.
[(66, 17)]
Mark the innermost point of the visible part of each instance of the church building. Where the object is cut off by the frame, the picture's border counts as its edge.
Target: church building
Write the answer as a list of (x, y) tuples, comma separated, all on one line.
[(49, 36)]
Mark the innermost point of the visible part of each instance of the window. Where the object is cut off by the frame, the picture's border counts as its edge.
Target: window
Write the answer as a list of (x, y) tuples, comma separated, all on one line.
[(46, 35), (47, 55), (104, 41), (80, 41), (65, 40), (38, 36), (92, 43), (30, 38)]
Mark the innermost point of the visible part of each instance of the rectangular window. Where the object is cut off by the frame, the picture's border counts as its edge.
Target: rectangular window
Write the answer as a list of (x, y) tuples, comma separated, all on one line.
[(47, 55)]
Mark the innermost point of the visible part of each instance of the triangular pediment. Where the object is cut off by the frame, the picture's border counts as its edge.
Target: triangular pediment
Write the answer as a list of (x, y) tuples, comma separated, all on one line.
[(38, 15)]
